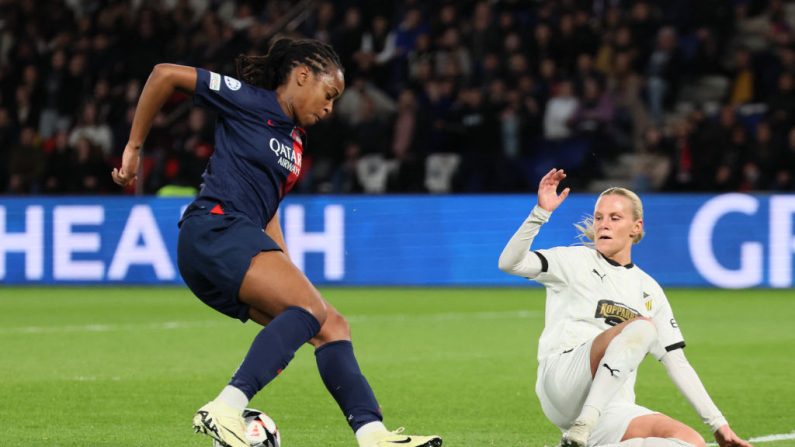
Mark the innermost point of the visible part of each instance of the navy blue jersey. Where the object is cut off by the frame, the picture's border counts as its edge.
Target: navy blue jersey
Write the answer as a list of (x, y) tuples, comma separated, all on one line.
[(258, 149)]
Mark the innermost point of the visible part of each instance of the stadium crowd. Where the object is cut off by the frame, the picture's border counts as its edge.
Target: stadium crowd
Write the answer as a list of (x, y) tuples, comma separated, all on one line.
[(442, 95)]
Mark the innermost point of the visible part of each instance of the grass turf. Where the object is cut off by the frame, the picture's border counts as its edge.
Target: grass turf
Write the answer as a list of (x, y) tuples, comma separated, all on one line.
[(129, 366)]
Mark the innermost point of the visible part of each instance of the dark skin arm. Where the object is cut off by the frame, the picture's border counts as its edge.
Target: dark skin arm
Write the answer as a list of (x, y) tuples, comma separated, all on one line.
[(164, 80)]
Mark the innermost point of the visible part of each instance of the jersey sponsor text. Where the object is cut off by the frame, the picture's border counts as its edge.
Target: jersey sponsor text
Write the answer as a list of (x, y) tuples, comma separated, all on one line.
[(614, 313)]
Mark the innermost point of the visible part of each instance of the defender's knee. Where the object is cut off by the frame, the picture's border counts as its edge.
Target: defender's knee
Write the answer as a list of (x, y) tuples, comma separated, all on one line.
[(640, 331)]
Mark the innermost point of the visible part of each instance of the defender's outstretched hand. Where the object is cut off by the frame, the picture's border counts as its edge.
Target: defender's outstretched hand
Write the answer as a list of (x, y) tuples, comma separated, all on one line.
[(128, 172), (548, 197), (726, 438)]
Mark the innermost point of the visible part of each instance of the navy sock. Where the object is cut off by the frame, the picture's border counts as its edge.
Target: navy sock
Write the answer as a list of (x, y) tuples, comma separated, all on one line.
[(273, 348), (344, 380)]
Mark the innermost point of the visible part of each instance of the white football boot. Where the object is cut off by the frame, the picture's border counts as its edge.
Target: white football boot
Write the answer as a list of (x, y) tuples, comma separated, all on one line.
[(222, 423), (577, 435), (397, 438)]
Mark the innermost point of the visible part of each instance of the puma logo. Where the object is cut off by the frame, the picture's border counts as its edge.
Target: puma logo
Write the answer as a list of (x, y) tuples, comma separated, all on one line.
[(602, 277), (402, 441), (612, 371)]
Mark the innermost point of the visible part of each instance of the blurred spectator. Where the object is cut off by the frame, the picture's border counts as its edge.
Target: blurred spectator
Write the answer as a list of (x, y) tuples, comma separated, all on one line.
[(25, 164), (349, 106), (7, 138), (681, 176), (559, 112), (624, 85), (377, 50), (27, 112), (653, 165), (347, 37), (98, 134), (475, 131), (484, 37), (663, 72), (742, 84), (781, 105), (345, 179), (452, 59), (408, 148), (593, 119), (58, 168), (784, 177), (485, 93), (758, 164), (88, 173)]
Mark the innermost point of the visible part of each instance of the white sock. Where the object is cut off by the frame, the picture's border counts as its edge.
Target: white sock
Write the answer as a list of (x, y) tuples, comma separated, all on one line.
[(233, 397), (650, 442), (368, 428), (622, 356)]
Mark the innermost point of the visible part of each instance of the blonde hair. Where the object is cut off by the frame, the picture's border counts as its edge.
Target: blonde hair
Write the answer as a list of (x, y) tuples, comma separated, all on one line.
[(586, 227)]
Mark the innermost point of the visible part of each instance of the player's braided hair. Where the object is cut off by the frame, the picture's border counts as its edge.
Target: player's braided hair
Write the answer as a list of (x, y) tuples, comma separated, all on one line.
[(273, 69)]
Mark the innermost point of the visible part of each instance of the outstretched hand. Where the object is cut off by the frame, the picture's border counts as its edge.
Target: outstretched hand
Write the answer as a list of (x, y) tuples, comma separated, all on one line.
[(129, 166), (548, 197), (727, 438)]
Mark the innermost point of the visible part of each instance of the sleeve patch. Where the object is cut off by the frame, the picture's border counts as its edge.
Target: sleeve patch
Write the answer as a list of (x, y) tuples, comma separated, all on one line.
[(544, 262), (232, 83), (215, 81)]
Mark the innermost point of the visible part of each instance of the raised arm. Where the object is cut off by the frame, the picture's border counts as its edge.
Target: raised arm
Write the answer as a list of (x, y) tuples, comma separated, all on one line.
[(516, 258), (164, 80)]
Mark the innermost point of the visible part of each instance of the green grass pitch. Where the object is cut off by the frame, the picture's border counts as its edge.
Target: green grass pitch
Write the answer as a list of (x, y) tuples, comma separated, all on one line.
[(129, 366)]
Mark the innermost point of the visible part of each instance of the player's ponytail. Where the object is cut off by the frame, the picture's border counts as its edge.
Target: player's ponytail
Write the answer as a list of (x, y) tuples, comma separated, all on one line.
[(273, 69), (586, 227)]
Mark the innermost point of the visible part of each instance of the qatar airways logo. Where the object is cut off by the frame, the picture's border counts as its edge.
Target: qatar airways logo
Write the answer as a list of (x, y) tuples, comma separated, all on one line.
[(708, 234), (289, 158)]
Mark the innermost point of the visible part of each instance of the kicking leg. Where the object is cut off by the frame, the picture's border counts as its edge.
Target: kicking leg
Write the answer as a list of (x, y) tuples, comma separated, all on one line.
[(273, 286)]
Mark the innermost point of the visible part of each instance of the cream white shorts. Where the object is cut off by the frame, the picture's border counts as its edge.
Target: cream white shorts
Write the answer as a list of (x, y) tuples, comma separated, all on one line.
[(563, 383)]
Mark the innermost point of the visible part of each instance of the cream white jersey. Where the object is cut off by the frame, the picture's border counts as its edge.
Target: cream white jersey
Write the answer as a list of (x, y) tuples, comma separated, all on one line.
[(588, 293)]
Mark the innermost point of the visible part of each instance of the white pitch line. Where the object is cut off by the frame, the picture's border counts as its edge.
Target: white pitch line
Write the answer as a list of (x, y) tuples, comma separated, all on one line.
[(767, 438), (171, 325), (451, 316)]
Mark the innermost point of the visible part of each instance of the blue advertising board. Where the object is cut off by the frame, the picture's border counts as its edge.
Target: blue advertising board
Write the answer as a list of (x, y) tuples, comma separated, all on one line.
[(730, 240)]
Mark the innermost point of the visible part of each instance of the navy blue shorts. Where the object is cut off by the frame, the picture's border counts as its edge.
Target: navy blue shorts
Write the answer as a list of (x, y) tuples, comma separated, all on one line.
[(214, 252)]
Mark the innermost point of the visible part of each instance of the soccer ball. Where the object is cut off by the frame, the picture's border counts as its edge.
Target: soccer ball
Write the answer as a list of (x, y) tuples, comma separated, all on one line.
[(260, 430)]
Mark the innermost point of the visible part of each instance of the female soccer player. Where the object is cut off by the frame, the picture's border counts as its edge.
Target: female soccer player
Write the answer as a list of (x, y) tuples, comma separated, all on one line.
[(603, 315), (231, 251)]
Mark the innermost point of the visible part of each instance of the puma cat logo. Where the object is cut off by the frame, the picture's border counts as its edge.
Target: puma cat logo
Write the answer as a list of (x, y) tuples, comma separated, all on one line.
[(602, 277), (612, 371)]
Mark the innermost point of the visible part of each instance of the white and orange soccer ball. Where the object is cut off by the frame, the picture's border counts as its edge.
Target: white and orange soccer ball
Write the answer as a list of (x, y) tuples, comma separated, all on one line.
[(260, 429)]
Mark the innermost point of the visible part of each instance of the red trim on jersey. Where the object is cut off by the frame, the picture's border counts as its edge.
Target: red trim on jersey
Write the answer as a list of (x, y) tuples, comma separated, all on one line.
[(298, 154), (217, 209)]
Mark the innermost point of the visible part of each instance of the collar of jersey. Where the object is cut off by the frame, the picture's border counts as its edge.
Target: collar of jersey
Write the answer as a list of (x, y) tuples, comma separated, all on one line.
[(280, 118), (614, 263)]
